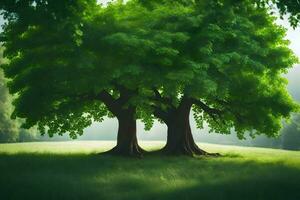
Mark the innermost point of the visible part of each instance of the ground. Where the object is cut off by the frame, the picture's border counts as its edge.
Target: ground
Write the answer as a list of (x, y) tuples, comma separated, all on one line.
[(74, 170)]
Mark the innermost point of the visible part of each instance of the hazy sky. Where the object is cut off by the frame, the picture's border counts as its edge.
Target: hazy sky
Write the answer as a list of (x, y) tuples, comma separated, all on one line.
[(293, 35)]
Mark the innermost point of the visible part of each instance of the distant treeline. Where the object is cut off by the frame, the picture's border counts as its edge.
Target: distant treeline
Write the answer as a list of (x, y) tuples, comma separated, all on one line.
[(10, 130)]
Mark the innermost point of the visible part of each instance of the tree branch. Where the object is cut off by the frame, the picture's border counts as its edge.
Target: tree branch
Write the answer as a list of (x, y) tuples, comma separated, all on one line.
[(125, 95), (113, 105), (159, 113), (227, 104), (212, 112), (161, 99), (109, 101)]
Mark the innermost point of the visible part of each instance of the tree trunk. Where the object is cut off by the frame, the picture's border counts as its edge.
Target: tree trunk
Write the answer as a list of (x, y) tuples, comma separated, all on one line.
[(180, 140), (127, 144)]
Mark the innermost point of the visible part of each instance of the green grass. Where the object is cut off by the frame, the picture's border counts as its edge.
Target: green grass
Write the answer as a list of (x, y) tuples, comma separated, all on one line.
[(73, 170)]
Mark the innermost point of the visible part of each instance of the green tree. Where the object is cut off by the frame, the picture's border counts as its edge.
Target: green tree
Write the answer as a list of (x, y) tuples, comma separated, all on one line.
[(72, 63), (229, 71)]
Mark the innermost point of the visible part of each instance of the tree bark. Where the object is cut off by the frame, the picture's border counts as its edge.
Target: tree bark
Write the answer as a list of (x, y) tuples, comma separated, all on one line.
[(127, 144), (180, 140)]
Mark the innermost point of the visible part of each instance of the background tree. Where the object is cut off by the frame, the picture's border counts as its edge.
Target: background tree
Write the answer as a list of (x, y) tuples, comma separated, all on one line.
[(8, 129), (290, 138)]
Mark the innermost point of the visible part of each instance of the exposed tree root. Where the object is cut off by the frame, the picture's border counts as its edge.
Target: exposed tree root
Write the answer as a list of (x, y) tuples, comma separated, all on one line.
[(187, 151), (131, 151)]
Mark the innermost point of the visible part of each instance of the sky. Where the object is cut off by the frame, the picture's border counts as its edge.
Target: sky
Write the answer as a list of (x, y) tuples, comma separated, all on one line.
[(292, 34), (108, 128)]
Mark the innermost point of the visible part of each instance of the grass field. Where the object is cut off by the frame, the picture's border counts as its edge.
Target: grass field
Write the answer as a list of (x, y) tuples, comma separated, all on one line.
[(73, 170)]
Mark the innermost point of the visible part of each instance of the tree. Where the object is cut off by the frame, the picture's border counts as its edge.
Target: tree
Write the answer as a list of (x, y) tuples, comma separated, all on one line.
[(229, 70), (77, 62), (71, 60)]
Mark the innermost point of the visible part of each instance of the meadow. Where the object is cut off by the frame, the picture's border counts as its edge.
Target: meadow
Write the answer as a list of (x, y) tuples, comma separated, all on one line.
[(76, 170)]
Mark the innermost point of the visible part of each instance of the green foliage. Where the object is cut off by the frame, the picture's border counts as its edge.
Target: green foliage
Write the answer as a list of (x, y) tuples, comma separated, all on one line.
[(230, 55), (42, 42), (232, 59), (63, 77)]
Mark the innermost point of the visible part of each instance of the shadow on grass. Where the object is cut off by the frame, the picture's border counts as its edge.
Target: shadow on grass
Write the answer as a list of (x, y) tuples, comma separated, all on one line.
[(58, 176)]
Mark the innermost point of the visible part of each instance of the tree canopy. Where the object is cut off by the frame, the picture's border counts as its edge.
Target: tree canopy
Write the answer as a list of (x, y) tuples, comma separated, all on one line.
[(74, 62), (231, 63)]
